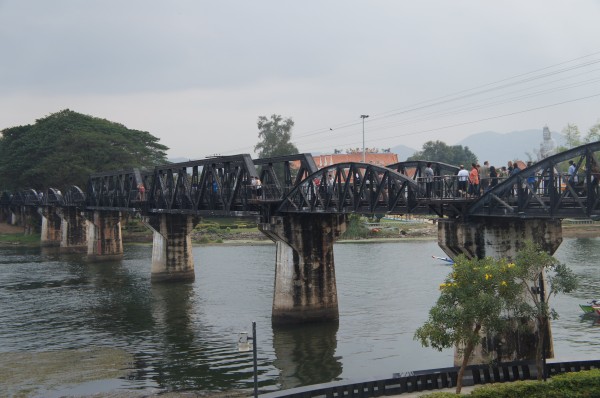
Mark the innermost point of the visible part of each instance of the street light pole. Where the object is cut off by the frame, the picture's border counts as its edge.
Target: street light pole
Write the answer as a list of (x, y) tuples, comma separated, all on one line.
[(363, 117)]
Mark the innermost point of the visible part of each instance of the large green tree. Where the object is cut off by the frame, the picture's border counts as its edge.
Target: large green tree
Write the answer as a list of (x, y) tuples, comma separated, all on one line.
[(441, 152), (275, 135), (62, 149)]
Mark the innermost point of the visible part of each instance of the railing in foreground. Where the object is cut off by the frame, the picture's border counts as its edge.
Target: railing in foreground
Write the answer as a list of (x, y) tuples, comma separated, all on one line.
[(433, 379)]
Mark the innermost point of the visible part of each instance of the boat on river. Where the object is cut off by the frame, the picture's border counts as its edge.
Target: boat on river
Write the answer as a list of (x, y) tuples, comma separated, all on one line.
[(446, 259), (593, 307)]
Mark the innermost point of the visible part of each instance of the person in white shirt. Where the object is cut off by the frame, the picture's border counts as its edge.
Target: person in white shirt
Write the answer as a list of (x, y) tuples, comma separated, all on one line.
[(463, 177)]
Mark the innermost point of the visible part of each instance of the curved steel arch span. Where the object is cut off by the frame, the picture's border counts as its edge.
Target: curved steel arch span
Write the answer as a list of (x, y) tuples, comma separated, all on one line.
[(353, 188), (415, 168), (543, 190)]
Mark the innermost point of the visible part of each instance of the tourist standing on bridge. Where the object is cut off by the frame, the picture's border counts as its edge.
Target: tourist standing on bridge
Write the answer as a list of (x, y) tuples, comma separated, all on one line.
[(484, 176), (493, 177), (141, 192), (474, 180), (428, 173), (572, 174), (463, 177)]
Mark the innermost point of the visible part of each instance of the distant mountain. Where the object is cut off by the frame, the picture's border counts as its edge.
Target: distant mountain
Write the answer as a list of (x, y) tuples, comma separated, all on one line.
[(499, 148), (403, 152)]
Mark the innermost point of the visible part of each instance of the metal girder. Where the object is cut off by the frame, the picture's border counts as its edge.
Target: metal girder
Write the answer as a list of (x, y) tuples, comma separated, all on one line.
[(353, 188), (215, 186), (542, 191), (415, 168), (73, 197), (291, 169), (116, 190)]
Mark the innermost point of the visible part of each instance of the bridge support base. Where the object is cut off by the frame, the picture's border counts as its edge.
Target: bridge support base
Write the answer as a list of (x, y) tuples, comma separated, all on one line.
[(305, 286), (172, 259), (104, 241), (51, 227), (74, 231), (496, 238)]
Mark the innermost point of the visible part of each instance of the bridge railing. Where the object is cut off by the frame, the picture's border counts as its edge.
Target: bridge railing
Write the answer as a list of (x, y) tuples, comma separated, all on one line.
[(448, 187), (433, 379)]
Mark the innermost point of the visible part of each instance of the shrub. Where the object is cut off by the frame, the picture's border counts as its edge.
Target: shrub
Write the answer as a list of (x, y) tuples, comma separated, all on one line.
[(517, 389), (577, 384)]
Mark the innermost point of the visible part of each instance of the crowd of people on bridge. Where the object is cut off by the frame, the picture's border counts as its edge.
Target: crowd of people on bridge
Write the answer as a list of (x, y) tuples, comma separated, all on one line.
[(480, 178)]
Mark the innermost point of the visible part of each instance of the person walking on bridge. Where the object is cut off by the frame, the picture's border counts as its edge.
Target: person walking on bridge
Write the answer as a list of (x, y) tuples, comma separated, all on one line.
[(428, 173), (474, 180), (463, 176)]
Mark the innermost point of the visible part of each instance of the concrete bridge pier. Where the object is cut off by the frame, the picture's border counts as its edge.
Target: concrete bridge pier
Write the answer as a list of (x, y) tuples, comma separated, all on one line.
[(74, 229), (498, 237), (16, 216), (51, 226), (31, 219), (305, 287), (172, 259), (104, 239)]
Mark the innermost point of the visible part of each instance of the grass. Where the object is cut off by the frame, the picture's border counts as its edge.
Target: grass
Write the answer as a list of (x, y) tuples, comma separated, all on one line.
[(20, 239)]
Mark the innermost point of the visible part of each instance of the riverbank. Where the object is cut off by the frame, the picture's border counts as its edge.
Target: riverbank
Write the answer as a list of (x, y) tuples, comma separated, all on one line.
[(13, 235)]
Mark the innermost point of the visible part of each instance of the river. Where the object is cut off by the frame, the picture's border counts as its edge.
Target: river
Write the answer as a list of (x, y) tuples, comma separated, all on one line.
[(72, 328)]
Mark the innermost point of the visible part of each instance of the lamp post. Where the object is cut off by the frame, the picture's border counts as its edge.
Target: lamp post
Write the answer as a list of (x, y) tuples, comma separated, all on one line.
[(363, 117), (244, 345)]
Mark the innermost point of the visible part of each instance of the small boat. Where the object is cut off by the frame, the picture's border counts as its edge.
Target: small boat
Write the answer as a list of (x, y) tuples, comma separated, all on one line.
[(446, 259), (586, 308), (593, 307)]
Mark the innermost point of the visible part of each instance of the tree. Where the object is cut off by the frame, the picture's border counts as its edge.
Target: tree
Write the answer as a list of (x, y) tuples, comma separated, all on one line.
[(474, 299), (275, 137), (593, 134), (64, 148), (532, 264), (440, 152), (572, 135)]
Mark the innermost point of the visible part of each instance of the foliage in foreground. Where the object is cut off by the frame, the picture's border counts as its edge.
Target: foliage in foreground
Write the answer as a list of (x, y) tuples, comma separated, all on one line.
[(474, 301), (576, 384), (481, 296)]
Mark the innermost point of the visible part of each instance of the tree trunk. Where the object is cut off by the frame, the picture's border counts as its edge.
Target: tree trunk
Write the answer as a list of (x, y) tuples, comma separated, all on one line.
[(540, 347), (466, 355)]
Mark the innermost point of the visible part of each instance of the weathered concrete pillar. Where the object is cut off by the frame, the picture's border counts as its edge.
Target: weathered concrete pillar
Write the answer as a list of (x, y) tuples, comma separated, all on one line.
[(305, 287), (31, 219), (74, 229), (499, 237), (16, 216), (172, 259), (104, 241), (50, 234)]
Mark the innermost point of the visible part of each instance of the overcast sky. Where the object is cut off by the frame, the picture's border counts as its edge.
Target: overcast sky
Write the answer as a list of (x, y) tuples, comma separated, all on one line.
[(197, 74)]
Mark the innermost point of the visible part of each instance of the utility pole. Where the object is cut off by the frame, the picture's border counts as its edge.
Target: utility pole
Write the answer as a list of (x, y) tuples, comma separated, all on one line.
[(363, 117)]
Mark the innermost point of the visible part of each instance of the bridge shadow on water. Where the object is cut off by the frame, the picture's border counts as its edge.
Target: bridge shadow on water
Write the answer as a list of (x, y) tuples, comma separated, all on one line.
[(306, 355)]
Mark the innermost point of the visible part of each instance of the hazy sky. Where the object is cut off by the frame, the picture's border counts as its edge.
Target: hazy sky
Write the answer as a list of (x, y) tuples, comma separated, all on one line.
[(197, 74)]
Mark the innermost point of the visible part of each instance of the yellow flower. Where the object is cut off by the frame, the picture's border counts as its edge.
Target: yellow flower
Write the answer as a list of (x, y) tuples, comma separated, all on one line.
[(488, 276), (503, 283), (511, 265)]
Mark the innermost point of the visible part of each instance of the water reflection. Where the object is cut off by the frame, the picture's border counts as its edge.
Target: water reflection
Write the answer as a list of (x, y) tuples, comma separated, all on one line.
[(183, 336), (306, 355)]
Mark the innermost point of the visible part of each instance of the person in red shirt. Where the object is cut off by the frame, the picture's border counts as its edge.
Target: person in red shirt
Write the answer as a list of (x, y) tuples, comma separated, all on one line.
[(474, 180)]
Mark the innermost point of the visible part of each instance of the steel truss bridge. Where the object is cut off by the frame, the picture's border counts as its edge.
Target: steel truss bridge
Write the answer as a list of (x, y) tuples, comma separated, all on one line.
[(222, 186)]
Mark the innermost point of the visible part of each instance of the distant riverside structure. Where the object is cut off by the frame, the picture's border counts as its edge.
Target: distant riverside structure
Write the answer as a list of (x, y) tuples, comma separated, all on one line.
[(548, 145), (377, 159)]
